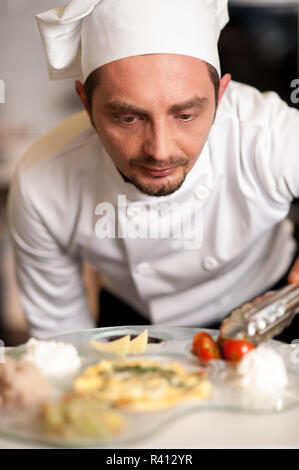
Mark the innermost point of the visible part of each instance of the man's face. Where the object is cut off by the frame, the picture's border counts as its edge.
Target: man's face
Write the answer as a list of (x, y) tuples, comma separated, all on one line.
[(153, 114)]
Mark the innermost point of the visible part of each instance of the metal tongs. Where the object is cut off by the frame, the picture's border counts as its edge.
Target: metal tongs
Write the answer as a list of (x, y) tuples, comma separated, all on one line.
[(259, 321)]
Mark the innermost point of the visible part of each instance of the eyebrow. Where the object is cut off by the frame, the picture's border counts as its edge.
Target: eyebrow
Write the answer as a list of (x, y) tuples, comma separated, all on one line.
[(122, 107), (195, 102)]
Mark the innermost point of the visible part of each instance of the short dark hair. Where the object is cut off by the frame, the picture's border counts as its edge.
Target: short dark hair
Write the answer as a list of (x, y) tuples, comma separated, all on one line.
[(93, 81), (90, 84), (215, 80)]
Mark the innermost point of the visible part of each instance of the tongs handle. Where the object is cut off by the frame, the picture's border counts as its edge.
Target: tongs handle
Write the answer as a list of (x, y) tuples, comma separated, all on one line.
[(259, 321)]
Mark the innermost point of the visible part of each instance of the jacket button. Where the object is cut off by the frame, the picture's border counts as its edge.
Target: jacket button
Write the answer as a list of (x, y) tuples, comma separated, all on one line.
[(210, 263), (144, 268), (201, 192)]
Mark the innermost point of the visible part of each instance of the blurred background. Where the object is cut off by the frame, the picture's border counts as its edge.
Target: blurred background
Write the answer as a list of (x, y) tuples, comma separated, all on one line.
[(258, 47)]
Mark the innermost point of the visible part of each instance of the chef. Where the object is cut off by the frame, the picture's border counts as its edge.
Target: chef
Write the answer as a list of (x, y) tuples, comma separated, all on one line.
[(175, 182)]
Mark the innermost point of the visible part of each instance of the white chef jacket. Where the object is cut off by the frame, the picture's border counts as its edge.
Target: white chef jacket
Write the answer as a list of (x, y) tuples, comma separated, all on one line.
[(241, 185)]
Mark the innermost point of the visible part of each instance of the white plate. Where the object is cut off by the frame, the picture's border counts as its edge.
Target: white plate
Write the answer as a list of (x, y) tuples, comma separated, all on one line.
[(166, 344)]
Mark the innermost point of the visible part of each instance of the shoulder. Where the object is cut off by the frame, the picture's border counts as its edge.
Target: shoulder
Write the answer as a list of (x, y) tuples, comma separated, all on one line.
[(257, 132), (51, 172), (59, 143), (245, 104), (61, 155)]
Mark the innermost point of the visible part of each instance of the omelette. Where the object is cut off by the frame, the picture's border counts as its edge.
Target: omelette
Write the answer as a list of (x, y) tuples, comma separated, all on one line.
[(141, 385)]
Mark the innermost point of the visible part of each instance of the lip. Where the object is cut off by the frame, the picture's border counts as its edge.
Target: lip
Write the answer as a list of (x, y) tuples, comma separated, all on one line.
[(159, 173)]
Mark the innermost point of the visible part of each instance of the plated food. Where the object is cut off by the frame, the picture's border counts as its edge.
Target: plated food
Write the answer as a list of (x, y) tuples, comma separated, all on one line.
[(53, 358), (75, 416), (257, 373), (207, 349), (21, 384), (142, 385), (262, 370), (96, 387), (124, 345)]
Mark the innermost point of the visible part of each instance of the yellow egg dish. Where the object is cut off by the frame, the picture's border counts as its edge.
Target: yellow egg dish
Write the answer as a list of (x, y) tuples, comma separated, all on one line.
[(141, 384)]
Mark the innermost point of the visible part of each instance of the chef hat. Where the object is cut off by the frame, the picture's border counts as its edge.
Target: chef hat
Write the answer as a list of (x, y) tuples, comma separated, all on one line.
[(86, 34)]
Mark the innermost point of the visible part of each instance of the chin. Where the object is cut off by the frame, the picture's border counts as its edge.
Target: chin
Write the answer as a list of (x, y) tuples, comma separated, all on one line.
[(159, 187)]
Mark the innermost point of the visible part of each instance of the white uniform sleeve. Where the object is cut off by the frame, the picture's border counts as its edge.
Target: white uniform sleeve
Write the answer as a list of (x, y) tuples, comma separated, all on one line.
[(49, 279), (277, 153)]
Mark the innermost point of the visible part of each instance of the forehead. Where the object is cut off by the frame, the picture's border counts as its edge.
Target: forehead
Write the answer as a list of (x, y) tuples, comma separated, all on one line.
[(155, 76)]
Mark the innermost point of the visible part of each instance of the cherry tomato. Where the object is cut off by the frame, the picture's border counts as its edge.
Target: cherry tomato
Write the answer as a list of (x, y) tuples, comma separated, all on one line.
[(197, 338), (235, 349), (293, 277), (208, 350), (220, 342)]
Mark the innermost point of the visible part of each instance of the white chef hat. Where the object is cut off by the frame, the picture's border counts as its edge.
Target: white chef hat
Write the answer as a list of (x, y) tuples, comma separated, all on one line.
[(86, 34)]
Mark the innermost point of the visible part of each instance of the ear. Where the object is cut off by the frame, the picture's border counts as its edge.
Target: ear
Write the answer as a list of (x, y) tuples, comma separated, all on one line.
[(82, 95), (224, 81)]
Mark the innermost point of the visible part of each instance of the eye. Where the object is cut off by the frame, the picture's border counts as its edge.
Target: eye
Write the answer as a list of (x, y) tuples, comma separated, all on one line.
[(186, 117), (128, 119)]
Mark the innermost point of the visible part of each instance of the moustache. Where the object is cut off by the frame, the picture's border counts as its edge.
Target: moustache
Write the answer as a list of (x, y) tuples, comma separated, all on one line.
[(153, 163)]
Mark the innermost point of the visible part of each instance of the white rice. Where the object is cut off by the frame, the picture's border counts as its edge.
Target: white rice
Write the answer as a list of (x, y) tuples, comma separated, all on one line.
[(263, 370), (52, 358)]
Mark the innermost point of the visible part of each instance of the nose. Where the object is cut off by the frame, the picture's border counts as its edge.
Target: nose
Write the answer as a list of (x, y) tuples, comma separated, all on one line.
[(159, 141)]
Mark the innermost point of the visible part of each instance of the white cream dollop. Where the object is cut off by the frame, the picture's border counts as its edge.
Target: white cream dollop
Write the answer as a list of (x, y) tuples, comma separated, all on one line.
[(52, 358), (262, 370)]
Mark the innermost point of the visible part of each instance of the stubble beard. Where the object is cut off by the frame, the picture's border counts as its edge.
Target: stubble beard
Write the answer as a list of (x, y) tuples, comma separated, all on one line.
[(161, 186), (163, 189)]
